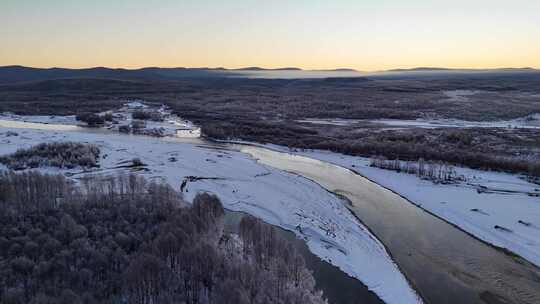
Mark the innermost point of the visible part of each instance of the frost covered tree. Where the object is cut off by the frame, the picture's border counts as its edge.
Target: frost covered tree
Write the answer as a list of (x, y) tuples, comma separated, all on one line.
[(121, 238)]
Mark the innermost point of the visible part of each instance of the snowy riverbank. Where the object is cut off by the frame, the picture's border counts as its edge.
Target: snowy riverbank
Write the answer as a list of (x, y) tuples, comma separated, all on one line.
[(503, 213), (280, 198)]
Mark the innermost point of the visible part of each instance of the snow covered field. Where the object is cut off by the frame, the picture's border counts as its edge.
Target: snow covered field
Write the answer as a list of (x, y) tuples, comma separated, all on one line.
[(505, 212), (280, 198), (528, 122), (460, 95), (170, 124), (45, 119), (332, 122)]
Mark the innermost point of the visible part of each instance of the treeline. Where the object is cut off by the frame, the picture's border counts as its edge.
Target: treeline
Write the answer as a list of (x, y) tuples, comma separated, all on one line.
[(453, 155), (493, 151), (437, 172), (124, 240), (257, 130), (55, 154)]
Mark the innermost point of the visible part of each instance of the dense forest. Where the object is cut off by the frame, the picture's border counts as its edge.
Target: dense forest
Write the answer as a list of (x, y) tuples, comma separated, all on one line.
[(268, 110), (122, 239), (479, 148)]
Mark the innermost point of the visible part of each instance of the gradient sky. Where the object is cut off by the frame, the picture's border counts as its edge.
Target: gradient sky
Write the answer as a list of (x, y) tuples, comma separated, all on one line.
[(362, 34)]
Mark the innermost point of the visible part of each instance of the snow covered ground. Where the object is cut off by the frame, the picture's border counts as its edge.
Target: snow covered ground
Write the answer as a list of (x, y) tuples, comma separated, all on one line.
[(528, 122), (280, 198), (171, 125), (460, 95), (505, 201), (330, 121), (45, 119)]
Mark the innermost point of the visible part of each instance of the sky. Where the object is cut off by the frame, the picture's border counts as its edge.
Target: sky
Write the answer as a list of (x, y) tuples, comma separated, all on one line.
[(367, 35)]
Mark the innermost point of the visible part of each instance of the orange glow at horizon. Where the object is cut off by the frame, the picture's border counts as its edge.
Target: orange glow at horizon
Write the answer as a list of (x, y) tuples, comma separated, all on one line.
[(365, 35)]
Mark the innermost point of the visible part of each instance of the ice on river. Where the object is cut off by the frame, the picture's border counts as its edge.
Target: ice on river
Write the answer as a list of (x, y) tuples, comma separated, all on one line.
[(499, 208)]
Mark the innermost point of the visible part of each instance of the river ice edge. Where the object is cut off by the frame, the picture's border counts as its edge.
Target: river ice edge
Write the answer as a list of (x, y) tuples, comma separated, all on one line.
[(454, 202)]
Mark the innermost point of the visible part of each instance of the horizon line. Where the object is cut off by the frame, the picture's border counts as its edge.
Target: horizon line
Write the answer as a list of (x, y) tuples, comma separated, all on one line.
[(283, 68)]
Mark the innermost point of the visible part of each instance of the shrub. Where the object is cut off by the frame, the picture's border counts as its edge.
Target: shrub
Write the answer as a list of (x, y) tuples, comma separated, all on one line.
[(124, 129), (138, 124), (108, 116), (91, 119), (141, 115), (55, 154)]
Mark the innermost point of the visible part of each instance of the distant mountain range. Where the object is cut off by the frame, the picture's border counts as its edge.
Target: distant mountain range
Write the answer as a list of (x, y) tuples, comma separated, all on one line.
[(10, 74), (436, 69), (14, 74), (263, 69)]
